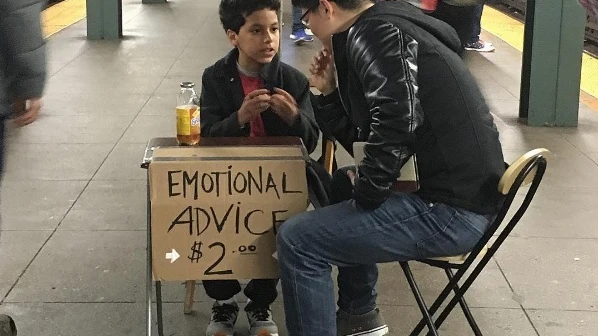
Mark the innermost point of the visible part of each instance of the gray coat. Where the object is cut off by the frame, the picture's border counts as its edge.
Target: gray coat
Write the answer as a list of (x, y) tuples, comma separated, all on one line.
[(22, 52)]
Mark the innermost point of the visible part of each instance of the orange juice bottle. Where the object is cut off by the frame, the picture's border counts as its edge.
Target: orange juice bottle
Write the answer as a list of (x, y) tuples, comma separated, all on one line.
[(187, 116)]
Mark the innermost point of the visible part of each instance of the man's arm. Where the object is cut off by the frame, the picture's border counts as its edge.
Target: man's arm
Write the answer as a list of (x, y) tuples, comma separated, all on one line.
[(334, 120), (306, 126), (385, 60)]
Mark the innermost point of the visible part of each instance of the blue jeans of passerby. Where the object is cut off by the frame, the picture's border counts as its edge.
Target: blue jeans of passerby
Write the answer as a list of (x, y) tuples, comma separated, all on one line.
[(297, 24), (476, 24), (405, 227)]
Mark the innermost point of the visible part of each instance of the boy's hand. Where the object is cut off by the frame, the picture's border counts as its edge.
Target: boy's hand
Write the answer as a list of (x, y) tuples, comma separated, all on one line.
[(253, 105), (323, 73), (285, 106)]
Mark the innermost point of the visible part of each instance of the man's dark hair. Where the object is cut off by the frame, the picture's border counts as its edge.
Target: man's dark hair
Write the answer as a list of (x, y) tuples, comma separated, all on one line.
[(233, 12), (344, 4)]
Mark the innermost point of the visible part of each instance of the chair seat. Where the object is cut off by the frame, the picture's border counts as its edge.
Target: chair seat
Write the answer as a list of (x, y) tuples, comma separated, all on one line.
[(456, 260)]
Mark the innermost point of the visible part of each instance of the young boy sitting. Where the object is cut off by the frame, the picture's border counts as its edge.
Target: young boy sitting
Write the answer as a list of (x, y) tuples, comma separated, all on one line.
[(251, 93)]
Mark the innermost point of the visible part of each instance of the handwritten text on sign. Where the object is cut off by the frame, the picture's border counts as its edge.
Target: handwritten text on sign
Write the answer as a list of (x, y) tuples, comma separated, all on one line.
[(222, 217)]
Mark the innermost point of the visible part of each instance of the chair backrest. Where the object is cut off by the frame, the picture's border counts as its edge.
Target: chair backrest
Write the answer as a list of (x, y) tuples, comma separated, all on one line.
[(526, 170), (510, 175)]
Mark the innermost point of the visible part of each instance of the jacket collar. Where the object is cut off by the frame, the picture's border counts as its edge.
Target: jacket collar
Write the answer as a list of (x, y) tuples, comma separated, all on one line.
[(269, 73), (227, 69)]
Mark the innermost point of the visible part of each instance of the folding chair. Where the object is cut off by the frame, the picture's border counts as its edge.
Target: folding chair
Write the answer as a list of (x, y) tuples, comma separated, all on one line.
[(527, 169)]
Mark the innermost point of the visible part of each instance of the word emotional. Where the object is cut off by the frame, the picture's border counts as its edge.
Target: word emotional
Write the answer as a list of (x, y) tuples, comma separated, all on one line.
[(230, 182)]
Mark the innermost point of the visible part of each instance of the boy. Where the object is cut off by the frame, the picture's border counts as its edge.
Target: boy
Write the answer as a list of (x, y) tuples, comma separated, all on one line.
[(251, 93)]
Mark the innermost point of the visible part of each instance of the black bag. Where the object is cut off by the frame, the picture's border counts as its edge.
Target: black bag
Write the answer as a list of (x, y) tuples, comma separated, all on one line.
[(318, 184)]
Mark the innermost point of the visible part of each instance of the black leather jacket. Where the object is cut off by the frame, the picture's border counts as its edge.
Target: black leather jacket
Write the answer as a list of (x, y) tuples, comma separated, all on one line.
[(403, 88)]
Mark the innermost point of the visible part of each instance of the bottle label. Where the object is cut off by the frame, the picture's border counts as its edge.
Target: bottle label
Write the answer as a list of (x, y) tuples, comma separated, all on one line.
[(188, 120)]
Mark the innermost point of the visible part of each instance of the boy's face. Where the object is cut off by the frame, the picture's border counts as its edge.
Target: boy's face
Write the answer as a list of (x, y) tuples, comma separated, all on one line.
[(258, 38)]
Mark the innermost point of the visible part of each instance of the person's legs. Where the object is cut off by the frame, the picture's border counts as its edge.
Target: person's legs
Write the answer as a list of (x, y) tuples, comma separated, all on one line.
[(7, 324), (221, 290), (458, 17), (405, 227), (356, 285), (224, 310), (476, 24), (475, 43), (299, 34), (297, 24), (261, 293)]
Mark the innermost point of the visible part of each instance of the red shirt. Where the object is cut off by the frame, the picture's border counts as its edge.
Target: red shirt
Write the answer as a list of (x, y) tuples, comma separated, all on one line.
[(250, 84)]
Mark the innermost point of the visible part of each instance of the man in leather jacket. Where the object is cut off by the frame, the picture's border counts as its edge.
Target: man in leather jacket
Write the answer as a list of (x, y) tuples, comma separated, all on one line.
[(401, 88)]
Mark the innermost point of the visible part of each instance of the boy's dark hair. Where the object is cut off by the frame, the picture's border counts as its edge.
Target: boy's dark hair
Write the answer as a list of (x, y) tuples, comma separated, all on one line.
[(233, 12), (344, 4)]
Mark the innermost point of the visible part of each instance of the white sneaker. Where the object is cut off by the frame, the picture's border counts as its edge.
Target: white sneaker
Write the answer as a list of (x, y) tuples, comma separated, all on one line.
[(308, 32), (480, 46), (224, 317), (260, 321)]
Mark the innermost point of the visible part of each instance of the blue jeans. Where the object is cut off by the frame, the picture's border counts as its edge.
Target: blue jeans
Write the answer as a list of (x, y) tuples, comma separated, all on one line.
[(405, 227), (297, 24)]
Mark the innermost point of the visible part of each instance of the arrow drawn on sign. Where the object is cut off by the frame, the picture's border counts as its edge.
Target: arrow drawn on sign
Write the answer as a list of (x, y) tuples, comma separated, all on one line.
[(173, 256)]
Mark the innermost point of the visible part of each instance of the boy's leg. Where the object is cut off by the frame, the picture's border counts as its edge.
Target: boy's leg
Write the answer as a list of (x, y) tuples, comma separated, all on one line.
[(221, 290), (224, 310), (261, 293), (404, 228)]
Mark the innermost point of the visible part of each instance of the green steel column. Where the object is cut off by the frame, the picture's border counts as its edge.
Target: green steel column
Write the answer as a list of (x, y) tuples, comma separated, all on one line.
[(551, 73), (104, 19)]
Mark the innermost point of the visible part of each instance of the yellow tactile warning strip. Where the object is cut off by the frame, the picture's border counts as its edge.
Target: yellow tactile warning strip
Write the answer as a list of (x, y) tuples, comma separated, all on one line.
[(511, 31), (62, 15)]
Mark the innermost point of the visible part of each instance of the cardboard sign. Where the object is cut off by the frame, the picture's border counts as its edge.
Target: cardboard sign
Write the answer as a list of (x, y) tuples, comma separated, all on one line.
[(215, 211)]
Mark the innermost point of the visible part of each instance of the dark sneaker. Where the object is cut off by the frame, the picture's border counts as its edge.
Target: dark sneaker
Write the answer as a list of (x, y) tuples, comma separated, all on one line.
[(480, 46), (7, 326), (224, 317), (368, 324), (260, 321)]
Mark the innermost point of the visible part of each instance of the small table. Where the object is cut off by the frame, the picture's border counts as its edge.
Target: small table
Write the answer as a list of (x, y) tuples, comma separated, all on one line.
[(145, 164)]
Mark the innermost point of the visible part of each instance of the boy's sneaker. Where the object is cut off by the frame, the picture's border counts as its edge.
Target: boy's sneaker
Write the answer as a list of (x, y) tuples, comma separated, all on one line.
[(260, 321), (480, 46), (223, 319), (309, 32), (368, 324), (7, 326), (300, 36)]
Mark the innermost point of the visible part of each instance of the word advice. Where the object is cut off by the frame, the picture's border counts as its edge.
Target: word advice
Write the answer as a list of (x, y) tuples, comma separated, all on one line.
[(218, 199)]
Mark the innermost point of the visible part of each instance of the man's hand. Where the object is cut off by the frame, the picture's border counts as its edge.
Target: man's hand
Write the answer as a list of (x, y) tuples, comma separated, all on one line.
[(253, 105), (351, 174), (26, 111), (285, 106), (322, 72)]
